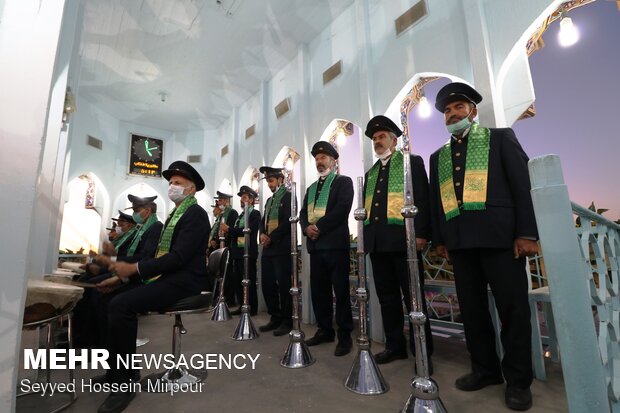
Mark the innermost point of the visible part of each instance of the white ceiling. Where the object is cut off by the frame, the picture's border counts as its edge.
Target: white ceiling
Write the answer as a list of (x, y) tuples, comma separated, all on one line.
[(208, 56)]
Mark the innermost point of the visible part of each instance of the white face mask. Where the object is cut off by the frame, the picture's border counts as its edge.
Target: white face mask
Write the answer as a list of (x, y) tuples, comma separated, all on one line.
[(325, 172), (175, 193), (386, 154), (119, 230)]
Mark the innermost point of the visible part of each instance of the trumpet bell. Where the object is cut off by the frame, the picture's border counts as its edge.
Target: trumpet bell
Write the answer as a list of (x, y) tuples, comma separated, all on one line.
[(365, 377)]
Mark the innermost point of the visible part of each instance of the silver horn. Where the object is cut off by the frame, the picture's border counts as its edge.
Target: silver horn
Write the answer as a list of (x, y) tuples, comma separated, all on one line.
[(221, 311), (424, 396), (365, 376), (297, 353), (245, 329)]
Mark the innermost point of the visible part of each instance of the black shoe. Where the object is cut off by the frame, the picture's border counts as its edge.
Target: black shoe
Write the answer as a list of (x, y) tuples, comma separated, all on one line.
[(284, 329), (476, 381), (321, 336), (116, 402), (387, 356), (518, 399), (343, 347), (271, 325), (236, 312)]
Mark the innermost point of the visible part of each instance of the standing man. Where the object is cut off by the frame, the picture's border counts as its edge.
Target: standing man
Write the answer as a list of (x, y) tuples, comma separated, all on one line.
[(275, 237), (248, 195), (385, 237), (324, 219), (229, 217), (483, 220), (214, 238), (177, 271)]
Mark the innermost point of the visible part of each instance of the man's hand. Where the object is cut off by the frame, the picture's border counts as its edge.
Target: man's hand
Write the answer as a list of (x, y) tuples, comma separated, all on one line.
[(103, 260), (525, 248), (108, 284), (108, 249), (442, 251), (420, 244), (312, 231), (124, 269), (265, 240), (213, 244), (223, 228)]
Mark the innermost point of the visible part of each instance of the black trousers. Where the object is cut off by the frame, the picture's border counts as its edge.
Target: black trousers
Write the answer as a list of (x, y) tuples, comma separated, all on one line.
[(391, 277), (276, 284), (229, 285), (124, 304), (237, 277), (474, 270), (330, 268)]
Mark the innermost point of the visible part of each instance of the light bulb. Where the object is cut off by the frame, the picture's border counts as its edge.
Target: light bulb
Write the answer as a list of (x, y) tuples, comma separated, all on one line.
[(424, 108), (289, 164), (568, 35), (341, 140)]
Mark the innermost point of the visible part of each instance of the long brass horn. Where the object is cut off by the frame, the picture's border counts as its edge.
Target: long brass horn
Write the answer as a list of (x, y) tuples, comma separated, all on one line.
[(365, 376), (297, 354)]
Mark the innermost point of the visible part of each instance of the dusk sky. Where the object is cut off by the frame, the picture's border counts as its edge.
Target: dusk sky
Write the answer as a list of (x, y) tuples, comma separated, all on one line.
[(577, 103)]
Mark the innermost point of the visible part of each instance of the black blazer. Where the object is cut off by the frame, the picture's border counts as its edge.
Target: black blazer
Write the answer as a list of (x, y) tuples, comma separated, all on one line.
[(334, 225), (379, 236), (509, 212), (234, 231), (147, 246), (281, 235), (188, 247)]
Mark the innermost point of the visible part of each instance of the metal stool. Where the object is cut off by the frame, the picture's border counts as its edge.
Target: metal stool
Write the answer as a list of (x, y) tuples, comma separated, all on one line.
[(173, 378), (49, 322)]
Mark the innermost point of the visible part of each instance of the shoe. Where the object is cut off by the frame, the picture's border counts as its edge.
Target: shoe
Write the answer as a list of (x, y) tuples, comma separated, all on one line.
[(476, 381), (518, 399), (236, 312), (321, 336), (388, 356), (284, 329), (343, 347), (271, 325), (116, 402)]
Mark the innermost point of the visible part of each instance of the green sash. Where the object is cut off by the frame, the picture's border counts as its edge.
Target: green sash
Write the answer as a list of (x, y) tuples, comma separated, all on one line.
[(241, 224), (165, 238), (216, 225), (316, 210), (272, 220), (136, 240), (476, 173), (396, 188)]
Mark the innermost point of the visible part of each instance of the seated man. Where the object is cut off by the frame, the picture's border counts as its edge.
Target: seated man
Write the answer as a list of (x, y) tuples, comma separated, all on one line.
[(142, 245), (177, 271)]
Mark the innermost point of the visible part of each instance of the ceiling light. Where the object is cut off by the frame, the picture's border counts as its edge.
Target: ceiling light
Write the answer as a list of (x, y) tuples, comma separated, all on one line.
[(424, 108), (568, 35), (341, 139)]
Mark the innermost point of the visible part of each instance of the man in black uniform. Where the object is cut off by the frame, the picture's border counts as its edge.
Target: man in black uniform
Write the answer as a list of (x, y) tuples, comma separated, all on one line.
[(275, 237), (385, 237), (237, 243), (483, 217), (324, 219), (228, 216), (143, 244), (177, 271)]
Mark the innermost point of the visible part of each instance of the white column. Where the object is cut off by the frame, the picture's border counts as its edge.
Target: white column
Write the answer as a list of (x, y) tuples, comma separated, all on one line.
[(29, 36), (491, 108)]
